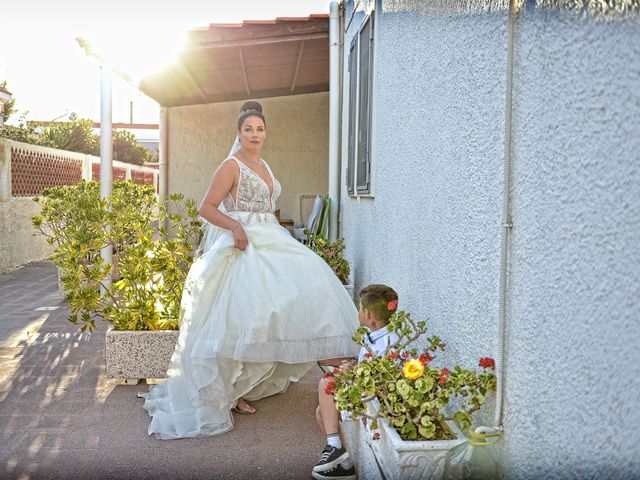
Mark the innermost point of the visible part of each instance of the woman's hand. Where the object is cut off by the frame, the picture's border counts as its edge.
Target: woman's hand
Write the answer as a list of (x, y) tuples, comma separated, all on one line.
[(240, 237)]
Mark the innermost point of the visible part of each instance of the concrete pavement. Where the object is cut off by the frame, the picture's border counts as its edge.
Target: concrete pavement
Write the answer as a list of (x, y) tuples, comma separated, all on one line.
[(60, 417)]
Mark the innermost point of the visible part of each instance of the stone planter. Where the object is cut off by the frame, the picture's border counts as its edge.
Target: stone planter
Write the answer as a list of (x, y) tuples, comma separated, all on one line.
[(133, 355), (411, 460)]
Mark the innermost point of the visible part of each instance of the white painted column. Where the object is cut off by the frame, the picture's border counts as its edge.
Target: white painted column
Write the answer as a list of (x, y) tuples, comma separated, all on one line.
[(106, 148), (334, 118), (163, 157)]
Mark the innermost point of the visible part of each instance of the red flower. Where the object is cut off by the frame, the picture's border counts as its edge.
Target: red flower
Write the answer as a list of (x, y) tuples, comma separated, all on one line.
[(392, 305), (486, 362), (336, 370), (376, 436), (368, 355), (443, 375), (425, 358), (327, 375), (329, 389), (404, 355), (393, 355), (330, 253)]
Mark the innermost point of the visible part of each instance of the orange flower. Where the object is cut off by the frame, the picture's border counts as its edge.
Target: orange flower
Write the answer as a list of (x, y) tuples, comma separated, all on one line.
[(413, 369), (392, 305)]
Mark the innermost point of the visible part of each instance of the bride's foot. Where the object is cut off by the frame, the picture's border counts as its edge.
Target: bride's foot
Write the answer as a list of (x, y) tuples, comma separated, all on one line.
[(243, 407)]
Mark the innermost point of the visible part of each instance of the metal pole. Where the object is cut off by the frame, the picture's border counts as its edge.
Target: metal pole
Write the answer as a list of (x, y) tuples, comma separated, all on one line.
[(334, 119), (106, 150)]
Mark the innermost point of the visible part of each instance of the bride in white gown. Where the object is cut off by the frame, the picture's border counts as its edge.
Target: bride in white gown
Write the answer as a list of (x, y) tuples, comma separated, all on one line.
[(258, 308)]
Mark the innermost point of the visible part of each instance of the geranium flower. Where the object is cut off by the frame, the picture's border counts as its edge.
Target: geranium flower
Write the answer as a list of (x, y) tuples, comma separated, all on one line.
[(392, 305), (327, 375), (404, 355), (413, 369), (330, 388), (368, 355), (443, 375), (336, 370), (393, 355), (376, 436), (487, 362), (330, 253), (425, 358)]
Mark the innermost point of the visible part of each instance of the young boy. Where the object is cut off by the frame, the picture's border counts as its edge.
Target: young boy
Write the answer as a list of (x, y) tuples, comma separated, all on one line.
[(377, 304)]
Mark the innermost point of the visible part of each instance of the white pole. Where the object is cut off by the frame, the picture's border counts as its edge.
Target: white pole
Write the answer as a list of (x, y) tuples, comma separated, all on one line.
[(334, 118), (106, 149), (163, 157)]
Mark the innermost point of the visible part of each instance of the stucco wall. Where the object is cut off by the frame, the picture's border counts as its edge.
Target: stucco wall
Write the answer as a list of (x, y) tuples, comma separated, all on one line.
[(18, 245), (432, 228), (573, 361), (297, 143)]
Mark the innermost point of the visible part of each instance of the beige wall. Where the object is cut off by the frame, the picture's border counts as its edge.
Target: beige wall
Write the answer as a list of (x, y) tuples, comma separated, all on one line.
[(18, 245), (200, 137)]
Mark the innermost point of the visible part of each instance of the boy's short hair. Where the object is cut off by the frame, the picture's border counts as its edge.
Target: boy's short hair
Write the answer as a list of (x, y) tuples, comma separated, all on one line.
[(376, 298)]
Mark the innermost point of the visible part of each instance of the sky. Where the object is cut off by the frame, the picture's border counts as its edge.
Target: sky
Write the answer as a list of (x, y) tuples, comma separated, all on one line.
[(50, 76)]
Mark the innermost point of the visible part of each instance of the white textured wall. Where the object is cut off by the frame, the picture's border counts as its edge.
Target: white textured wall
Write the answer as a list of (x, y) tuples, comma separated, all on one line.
[(432, 228), (18, 245), (297, 144), (573, 361)]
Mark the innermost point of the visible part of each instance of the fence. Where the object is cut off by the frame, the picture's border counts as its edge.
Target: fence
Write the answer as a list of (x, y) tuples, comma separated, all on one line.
[(26, 170)]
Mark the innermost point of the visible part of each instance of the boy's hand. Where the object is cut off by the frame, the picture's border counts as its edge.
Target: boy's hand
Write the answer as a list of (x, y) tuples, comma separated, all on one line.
[(346, 366)]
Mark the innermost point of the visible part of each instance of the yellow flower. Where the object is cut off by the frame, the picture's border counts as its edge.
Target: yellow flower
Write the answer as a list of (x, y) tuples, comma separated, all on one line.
[(413, 369)]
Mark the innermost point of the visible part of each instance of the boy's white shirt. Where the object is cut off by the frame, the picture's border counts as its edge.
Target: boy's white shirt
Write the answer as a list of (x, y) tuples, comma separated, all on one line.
[(380, 339)]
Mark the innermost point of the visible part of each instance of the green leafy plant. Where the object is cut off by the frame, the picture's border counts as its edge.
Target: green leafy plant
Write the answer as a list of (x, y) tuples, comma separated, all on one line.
[(411, 392), (76, 136), (23, 132), (126, 149), (150, 261), (330, 252)]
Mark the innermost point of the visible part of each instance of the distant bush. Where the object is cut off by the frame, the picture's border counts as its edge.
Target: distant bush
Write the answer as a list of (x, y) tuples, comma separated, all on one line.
[(78, 136)]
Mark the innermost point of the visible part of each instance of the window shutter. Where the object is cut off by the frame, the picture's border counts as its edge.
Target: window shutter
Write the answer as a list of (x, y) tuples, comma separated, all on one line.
[(365, 54), (353, 97)]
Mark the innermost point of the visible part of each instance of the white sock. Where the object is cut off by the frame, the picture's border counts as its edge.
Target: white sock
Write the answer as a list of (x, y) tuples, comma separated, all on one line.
[(347, 464), (333, 439)]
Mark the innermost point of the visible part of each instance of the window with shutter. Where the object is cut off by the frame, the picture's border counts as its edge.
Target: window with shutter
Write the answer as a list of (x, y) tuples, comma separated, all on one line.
[(353, 102), (365, 57)]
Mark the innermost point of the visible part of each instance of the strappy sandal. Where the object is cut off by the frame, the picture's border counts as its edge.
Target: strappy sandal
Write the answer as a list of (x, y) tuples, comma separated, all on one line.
[(245, 410)]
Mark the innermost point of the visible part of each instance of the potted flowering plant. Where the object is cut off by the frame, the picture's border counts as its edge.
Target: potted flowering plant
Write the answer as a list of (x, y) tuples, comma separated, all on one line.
[(403, 397), (332, 254)]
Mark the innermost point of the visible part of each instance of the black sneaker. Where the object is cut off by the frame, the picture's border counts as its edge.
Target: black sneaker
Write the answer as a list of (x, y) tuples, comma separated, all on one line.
[(337, 472), (331, 456)]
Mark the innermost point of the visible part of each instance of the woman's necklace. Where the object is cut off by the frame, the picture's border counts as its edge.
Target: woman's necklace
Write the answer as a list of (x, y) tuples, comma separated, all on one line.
[(245, 160)]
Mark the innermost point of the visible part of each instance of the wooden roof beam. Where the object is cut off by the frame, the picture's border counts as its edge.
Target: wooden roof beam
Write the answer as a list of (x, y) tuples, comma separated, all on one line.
[(295, 73), (255, 41), (244, 72)]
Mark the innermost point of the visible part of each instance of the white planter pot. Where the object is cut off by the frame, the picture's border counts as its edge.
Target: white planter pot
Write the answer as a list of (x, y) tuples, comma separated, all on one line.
[(349, 289), (412, 460), (133, 355)]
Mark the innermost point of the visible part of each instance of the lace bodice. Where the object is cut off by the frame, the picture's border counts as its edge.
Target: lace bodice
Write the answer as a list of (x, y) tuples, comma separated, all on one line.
[(253, 193)]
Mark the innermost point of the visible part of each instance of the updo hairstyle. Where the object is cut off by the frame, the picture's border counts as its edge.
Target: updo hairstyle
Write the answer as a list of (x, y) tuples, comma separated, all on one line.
[(250, 108)]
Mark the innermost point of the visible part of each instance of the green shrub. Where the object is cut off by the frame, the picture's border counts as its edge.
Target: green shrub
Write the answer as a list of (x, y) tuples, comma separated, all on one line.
[(126, 149), (76, 136), (150, 262)]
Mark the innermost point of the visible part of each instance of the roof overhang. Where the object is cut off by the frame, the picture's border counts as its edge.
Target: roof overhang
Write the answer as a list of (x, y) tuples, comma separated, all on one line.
[(255, 59)]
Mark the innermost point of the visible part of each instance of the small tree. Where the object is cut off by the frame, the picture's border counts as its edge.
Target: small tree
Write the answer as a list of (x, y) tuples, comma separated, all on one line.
[(76, 136), (9, 107)]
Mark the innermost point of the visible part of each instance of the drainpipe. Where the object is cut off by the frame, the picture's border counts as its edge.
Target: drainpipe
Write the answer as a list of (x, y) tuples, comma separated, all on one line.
[(106, 151), (507, 221), (163, 160), (334, 118)]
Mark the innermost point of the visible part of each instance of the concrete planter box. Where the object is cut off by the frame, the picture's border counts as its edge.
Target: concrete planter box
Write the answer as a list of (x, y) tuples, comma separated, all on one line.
[(133, 355), (395, 458)]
